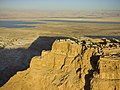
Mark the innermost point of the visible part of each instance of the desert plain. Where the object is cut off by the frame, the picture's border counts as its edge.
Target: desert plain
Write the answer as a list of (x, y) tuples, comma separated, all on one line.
[(19, 45)]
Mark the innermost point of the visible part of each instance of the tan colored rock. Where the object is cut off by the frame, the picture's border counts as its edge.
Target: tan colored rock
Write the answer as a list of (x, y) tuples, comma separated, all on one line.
[(108, 76), (70, 66), (58, 69), (44, 52), (109, 68), (2, 45), (97, 41), (105, 84), (71, 50)]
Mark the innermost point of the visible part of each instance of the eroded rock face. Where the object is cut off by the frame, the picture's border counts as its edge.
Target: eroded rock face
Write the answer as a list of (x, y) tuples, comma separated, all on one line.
[(108, 76), (70, 65)]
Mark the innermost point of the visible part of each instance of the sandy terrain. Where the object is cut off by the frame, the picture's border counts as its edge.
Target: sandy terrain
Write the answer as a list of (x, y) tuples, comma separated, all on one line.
[(17, 45)]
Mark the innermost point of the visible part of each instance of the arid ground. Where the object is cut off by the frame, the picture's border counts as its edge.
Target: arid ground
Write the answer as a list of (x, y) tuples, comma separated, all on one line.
[(19, 45)]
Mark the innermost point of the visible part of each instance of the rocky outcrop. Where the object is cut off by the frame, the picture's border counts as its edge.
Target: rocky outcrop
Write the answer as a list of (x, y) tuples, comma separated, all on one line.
[(72, 65), (108, 75)]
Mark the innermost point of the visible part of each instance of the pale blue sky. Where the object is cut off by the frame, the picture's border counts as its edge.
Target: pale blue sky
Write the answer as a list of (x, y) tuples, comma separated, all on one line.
[(60, 4)]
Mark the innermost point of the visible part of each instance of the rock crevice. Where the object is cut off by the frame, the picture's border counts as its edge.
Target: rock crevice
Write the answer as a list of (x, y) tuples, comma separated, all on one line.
[(83, 65)]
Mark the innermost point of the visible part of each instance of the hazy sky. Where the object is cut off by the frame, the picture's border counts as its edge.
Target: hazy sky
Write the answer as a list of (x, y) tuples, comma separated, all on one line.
[(60, 4)]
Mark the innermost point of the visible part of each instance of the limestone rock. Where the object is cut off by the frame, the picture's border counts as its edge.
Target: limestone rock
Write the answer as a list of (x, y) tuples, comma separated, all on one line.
[(71, 65), (108, 76)]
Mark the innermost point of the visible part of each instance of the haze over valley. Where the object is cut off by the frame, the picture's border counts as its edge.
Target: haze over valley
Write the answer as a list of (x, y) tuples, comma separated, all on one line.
[(59, 45)]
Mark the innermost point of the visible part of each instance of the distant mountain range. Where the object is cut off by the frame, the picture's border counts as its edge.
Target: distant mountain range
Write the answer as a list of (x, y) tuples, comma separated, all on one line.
[(4, 14)]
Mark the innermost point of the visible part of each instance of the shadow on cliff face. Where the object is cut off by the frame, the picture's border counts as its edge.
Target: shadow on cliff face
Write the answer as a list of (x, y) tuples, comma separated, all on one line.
[(89, 76), (14, 60)]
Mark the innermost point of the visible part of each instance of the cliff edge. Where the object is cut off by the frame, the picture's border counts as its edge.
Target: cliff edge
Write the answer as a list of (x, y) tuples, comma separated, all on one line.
[(90, 64)]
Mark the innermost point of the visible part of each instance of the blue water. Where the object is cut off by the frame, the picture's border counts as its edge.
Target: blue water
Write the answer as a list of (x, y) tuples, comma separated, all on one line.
[(17, 24), (76, 21)]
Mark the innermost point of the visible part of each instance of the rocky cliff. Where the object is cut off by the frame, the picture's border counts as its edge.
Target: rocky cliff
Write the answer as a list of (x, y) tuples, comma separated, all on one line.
[(90, 64)]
